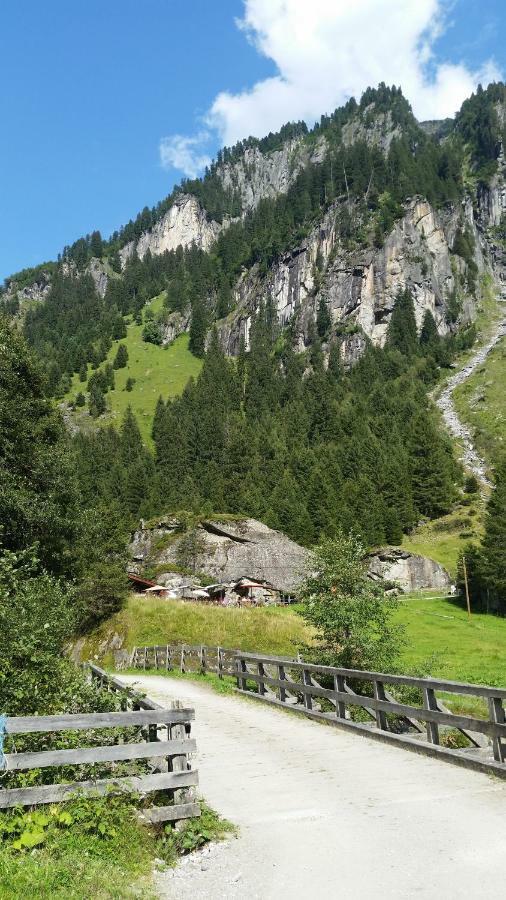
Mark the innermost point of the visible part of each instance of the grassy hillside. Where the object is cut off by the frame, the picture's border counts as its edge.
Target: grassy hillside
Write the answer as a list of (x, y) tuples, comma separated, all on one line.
[(444, 539), (481, 402), (157, 371), (440, 638)]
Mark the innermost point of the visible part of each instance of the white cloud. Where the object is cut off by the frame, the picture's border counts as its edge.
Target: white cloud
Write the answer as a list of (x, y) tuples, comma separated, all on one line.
[(185, 153), (326, 51)]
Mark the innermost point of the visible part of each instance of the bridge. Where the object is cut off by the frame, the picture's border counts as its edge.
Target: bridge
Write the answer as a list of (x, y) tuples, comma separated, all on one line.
[(330, 813)]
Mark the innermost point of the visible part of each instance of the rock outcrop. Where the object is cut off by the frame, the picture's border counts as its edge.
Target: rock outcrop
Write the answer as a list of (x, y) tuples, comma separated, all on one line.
[(185, 223), (360, 286), (408, 570), (227, 550)]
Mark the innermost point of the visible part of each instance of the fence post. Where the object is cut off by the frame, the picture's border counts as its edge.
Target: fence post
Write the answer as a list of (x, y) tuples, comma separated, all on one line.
[(261, 684), (203, 660), (241, 674), (182, 659), (306, 680), (178, 763), (430, 702), (145, 657), (340, 686), (497, 717), (167, 658), (381, 716), (220, 663), (282, 677)]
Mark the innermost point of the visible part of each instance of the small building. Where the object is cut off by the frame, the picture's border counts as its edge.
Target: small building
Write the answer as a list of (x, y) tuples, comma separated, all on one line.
[(139, 584)]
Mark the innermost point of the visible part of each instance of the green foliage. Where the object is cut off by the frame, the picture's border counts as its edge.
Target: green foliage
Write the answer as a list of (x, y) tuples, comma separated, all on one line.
[(121, 358), (352, 616), (81, 849), (481, 129), (38, 490), (402, 333), (487, 564), (194, 833)]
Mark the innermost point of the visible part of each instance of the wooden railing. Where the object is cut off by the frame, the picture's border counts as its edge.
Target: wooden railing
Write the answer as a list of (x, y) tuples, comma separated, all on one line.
[(165, 745), (328, 693), (186, 658)]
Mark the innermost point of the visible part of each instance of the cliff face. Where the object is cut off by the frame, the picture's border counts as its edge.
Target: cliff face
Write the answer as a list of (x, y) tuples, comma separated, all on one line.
[(185, 223), (360, 285), (258, 176)]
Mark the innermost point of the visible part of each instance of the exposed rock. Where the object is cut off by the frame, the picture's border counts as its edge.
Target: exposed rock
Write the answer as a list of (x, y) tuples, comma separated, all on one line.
[(175, 325), (410, 571), (379, 132), (258, 176), (98, 272), (184, 224), (360, 286), (231, 549), (36, 291)]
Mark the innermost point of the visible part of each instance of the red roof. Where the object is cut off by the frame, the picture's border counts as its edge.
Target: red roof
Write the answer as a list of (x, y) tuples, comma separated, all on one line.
[(141, 582)]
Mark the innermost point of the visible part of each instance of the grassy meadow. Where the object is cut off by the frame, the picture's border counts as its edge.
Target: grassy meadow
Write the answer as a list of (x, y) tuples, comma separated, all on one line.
[(157, 371), (440, 638)]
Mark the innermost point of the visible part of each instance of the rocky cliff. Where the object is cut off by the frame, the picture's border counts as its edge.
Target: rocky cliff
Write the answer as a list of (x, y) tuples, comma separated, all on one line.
[(360, 283), (185, 223)]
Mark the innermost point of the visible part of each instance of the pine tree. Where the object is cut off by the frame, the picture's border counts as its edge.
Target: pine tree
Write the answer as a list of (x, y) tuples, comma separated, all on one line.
[(198, 328), (121, 358), (493, 549), (323, 318), (402, 334)]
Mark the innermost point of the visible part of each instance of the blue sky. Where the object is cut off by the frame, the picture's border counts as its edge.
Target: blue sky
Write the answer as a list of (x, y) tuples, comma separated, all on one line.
[(100, 100)]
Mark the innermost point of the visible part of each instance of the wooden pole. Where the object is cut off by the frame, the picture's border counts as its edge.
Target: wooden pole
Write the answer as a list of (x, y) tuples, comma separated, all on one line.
[(467, 587)]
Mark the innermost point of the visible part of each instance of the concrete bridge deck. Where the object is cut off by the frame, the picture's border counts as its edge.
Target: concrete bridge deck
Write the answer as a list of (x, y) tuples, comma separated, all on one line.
[(326, 814)]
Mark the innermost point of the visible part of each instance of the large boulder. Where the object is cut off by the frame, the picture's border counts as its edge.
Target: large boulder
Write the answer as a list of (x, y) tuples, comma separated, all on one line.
[(408, 570), (224, 550)]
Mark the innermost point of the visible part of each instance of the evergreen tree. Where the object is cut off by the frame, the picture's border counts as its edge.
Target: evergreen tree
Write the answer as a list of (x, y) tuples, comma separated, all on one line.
[(198, 328), (121, 358), (402, 334), (323, 318), (492, 557)]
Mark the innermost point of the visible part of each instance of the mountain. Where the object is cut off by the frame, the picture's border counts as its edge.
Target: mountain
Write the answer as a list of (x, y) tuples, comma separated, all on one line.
[(340, 267)]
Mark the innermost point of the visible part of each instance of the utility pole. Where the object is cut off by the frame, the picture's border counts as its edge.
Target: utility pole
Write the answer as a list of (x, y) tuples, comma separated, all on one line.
[(467, 586)]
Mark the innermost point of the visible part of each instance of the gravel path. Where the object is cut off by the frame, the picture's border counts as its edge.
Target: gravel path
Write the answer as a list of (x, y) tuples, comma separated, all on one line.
[(470, 458), (325, 814)]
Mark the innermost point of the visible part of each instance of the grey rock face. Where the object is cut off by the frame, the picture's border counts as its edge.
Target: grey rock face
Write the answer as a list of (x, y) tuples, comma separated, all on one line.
[(231, 549), (37, 291), (185, 223), (410, 571), (359, 286), (98, 272), (258, 176)]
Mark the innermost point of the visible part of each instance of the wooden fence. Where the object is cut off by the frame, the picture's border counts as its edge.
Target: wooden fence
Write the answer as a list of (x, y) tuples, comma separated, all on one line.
[(412, 713), (165, 745), (324, 692), (186, 658)]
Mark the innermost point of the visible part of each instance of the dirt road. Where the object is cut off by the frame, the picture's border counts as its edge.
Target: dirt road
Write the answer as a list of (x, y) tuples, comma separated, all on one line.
[(325, 814)]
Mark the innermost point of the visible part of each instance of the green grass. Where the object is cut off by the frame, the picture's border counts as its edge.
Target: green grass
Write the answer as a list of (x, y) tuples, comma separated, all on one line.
[(481, 402), (458, 647), (146, 621), (157, 371), (437, 630), (444, 539), (74, 864)]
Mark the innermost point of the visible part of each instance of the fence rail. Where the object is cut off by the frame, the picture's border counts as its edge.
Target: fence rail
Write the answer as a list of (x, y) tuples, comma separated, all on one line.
[(420, 720), (165, 746), (186, 658), (325, 692)]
